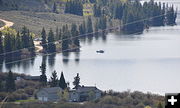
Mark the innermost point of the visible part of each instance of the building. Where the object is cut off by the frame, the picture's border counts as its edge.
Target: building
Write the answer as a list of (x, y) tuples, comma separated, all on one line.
[(49, 94), (84, 93)]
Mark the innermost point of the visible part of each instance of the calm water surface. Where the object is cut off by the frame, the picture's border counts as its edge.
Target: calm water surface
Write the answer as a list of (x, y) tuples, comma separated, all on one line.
[(145, 62)]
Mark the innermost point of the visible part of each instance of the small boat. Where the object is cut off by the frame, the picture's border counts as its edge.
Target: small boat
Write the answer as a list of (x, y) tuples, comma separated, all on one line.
[(100, 51)]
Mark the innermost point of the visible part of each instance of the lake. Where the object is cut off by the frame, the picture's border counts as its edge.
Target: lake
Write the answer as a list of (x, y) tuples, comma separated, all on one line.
[(148, 62)]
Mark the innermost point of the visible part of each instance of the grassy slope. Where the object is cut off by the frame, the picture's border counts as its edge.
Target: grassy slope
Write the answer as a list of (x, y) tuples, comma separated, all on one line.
[(35, 21)]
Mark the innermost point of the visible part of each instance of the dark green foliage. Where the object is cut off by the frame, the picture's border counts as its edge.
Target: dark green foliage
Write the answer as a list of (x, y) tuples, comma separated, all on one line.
[(74, 34), (51, 42), (44, 41), (8, 42), (65, 39), (10, 82), (43, 78), (118, 11), (27, 40), (82, 28), (97, 10), (25, 37), (74, 7), (54, 8), (54, 79), (102, 23), (62, 82), (76, 81), (171, 16), (18, 41), (89, 25), (1, 44)]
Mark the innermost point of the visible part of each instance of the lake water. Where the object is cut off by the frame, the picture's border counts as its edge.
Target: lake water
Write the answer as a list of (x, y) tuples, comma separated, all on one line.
[(148, 62)]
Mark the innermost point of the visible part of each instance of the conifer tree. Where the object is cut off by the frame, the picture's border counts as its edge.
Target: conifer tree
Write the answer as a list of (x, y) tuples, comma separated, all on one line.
[(76, 81), (54, 79), (43, 78), (10, 82), (75, 33), (51, 44), (55, 8), (62, 82), (89, 25), (1, 45), (44, 41)]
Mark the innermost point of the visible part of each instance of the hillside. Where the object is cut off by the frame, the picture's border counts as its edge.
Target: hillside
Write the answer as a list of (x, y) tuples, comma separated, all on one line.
[(35, 21)]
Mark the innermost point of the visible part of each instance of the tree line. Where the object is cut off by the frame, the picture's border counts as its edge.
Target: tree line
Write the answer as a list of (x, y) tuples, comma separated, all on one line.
[(10, 41), (136, 16), (69, 35)]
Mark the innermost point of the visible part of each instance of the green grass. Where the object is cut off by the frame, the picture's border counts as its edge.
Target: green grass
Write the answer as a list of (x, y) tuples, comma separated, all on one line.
[(28, 100)]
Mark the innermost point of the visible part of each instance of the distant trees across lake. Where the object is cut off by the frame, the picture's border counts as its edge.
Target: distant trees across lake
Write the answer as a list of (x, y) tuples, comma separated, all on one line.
[(133, 15)]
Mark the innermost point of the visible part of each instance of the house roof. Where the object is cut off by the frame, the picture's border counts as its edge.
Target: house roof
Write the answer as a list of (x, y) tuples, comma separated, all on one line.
[(52, 90), (87, 88)]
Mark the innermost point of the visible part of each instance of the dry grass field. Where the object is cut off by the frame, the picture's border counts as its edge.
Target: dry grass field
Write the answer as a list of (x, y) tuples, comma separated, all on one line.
[(35, 21)]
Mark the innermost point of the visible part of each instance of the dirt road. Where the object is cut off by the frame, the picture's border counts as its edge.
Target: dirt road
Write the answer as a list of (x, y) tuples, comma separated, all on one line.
[(7, 24)]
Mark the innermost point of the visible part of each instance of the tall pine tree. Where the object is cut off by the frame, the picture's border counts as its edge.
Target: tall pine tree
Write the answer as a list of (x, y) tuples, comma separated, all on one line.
[(51, 42), (10, 82), (62, 82)]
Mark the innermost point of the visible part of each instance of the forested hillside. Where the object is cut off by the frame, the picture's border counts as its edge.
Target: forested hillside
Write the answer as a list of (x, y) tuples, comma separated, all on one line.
[(30, 5)]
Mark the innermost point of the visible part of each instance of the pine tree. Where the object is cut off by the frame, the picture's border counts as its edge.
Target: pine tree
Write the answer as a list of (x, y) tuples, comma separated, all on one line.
[(8, 43), (10, 82), (1, 45), (31, 44), (75, 33), (76, 81), (18, 41), (55, 8), (54, 79), (65, 39), (51, 44), (57, 33), (25, 37), (43, 78), (89, 26), (43, 41), (62, 82)]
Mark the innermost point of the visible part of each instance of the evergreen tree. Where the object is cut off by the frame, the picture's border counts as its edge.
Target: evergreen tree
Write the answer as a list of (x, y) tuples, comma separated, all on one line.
[(31, 44), (75, 33), (18, 41), (1, 45), (54, 79), (55, 8), (8, 47), (43, 78), (51, 44), (74, 7), (65, 39), (76, 81), (10, 82), (62, 82), (171, 16), (60, 35), (57, 33), (44, 41), (25, 37), (89, 25)]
